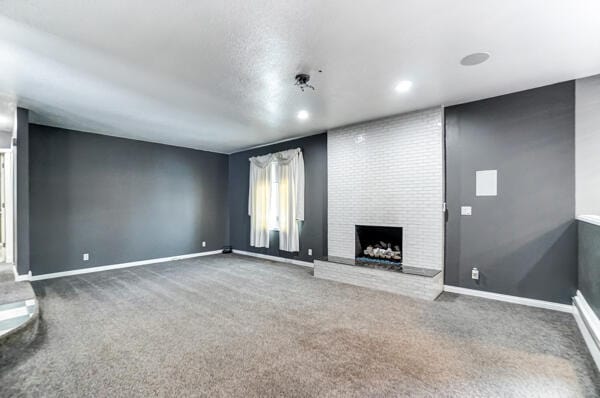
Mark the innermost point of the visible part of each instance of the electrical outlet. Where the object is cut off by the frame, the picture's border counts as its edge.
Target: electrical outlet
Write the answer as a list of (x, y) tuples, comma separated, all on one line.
[(466, 210), (310, 252), (86, 256), (475, 274), (203, 244)]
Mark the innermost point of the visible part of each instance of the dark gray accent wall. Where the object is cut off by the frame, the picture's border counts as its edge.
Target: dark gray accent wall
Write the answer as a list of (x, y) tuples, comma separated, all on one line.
[(22, 176), (120, 200), (314, 228), (589, 264), (524, 241)]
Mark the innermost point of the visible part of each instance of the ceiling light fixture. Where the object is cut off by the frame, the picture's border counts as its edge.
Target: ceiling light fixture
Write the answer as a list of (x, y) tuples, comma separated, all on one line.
[(302, 80), (403, 86), (302, 115), (474, 59)]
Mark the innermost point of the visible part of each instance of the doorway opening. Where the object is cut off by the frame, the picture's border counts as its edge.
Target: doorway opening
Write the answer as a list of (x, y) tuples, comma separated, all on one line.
[(6, 207)]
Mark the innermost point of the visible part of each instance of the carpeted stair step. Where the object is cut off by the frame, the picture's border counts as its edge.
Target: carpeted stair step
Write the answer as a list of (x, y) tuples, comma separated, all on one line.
[(19, 314)]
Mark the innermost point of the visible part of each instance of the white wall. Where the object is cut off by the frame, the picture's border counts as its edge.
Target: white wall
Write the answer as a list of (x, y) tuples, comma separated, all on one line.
[(389, 172), (587, 146)]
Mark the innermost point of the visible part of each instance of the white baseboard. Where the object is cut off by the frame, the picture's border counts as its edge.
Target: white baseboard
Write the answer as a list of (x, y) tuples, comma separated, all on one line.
[(115, 266), (589, 325), (510, 299), (20, 278), (275, 258)]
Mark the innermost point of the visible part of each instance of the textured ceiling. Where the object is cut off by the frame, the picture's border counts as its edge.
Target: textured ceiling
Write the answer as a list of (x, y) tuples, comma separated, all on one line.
[(219, 75)]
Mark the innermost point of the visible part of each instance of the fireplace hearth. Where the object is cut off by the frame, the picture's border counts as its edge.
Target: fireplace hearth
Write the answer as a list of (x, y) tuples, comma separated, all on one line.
[(378, 244)]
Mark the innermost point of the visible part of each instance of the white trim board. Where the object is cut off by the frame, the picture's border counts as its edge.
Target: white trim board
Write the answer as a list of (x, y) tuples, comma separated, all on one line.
[(589, 325), (510, 299), (20, 278), (115, 266), (274, 258), (589, 218)]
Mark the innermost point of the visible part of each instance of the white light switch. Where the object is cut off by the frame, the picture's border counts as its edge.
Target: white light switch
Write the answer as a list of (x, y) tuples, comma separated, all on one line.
[(86, 256), (203, 244), (465, 210), (310, 252)]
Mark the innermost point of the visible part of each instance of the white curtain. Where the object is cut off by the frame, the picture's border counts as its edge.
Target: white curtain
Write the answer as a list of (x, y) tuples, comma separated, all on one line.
[(259, 196), (289, 167), (290, 173)]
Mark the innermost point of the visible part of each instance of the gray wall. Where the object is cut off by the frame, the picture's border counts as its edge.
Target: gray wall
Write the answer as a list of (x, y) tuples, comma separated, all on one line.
[(314, 229), (587, 145), (524, 241), (120, 200), (6, 139), (22, 175), (589, 264)]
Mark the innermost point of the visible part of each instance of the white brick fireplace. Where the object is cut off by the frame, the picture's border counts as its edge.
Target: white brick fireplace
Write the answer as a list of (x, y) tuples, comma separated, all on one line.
[(388, 172)]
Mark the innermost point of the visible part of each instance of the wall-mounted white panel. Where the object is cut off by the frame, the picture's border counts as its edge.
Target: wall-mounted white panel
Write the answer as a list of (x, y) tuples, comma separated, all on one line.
[(486, 183)]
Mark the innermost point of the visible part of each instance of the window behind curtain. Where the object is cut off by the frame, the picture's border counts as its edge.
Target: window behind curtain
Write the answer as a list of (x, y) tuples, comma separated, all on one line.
[(274, 200)]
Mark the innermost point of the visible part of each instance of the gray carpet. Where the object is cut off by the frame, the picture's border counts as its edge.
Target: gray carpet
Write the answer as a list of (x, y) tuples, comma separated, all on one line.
[(236, 326)]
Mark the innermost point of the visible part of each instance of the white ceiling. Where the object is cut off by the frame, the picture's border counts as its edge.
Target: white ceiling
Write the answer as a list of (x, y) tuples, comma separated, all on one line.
[(218, 75)]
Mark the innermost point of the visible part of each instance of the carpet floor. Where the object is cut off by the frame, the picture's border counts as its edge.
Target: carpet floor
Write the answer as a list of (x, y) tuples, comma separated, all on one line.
[(228, 325)]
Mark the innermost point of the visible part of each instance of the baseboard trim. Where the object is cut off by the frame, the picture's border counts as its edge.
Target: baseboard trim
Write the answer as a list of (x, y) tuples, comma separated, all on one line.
[(589, 325), (510, 299), (117, 266), (275, 258), (21, 278)]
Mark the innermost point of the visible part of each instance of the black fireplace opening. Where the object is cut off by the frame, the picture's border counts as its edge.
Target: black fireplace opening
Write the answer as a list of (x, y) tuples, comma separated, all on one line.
[(378, 244)]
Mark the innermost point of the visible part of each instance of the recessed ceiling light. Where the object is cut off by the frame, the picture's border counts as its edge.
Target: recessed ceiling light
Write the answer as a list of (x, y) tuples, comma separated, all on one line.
[(475, 59), (303, 115), (403, 86)]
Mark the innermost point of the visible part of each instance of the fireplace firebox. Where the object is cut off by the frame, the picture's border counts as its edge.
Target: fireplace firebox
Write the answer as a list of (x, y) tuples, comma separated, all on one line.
[(378, 244)]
